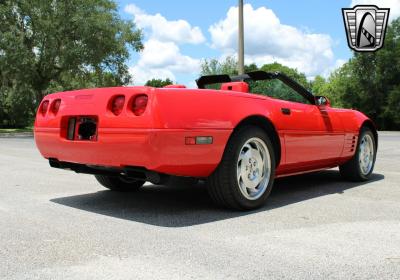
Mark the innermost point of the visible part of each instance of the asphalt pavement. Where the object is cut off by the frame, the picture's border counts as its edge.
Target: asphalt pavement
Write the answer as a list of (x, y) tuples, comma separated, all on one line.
[(56, 224)]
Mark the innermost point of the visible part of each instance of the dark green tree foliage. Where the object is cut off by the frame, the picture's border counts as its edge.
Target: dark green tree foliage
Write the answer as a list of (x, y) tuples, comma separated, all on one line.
[(159, 83), (277, 89), (214, 66), (370, 82), (340, 82), (48, 46), (273, 88), (389, 117)]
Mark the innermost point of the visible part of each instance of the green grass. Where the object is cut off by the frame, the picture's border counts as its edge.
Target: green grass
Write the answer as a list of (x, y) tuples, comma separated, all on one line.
[(16, 130)]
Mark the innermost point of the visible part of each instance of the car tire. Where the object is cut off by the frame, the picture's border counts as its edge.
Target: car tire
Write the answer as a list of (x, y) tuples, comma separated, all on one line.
[(361, 166), (248, 159), (119, 183)]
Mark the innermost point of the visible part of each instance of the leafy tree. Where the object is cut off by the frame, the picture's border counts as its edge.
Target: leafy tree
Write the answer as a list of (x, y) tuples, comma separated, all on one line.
[(159, 83), (272, 88), (291, 72), (214, 66), (276, 88), (318, 84), (391, 113), (389, 77), (250, 68), (370, 82), (47, 46), (339, 84)]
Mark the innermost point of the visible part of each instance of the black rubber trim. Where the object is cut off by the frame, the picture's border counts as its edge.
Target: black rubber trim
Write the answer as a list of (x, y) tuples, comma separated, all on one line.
[(136, 172), (256, 76)]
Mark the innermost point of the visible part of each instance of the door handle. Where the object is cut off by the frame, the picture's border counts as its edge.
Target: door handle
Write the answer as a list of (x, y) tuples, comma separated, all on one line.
[(285, 111)]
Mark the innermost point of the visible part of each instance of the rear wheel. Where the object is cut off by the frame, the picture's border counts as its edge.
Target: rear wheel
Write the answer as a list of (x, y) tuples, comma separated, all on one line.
[(244, 178), (360, 167), (119, 183)]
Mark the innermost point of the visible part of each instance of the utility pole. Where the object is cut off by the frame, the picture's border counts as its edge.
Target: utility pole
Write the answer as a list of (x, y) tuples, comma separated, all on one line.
[(241, 40)]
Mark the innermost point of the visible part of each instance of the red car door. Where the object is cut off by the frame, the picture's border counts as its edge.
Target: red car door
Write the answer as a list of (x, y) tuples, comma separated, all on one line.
[(313, 135)]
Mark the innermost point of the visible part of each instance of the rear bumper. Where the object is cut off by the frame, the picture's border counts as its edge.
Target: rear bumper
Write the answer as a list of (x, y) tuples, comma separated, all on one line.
[(159, 150)]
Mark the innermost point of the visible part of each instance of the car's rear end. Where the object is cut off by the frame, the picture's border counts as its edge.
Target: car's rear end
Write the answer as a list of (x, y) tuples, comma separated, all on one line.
[(121, 130)]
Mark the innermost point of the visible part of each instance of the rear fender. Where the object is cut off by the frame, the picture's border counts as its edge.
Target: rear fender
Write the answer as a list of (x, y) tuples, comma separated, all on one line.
[(207, 109)]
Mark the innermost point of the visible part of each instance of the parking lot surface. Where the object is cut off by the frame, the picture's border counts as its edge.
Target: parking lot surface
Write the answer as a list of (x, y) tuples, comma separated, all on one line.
[(56, 224)]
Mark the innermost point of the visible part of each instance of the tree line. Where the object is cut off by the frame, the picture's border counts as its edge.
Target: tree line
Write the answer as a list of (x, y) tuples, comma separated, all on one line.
[(50, 46), (369, 82)]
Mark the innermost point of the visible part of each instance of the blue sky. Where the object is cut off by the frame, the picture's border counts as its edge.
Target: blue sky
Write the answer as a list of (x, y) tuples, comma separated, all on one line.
[(305, 34)]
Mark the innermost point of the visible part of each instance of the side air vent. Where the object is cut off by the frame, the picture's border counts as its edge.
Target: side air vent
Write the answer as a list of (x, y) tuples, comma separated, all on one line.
[(350, 143)]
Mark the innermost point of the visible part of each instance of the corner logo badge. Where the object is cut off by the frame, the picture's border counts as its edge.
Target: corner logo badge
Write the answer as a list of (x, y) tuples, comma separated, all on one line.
[(365, 27)]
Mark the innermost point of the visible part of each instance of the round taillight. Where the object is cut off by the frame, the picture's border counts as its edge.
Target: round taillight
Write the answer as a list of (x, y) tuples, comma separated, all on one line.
[(139, 104), (55, 106), (117, 104), (44, 107)]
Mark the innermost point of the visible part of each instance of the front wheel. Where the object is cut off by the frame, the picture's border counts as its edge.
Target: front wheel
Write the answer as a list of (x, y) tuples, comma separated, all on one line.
[(119, 183), (244, 178), (360, 167)]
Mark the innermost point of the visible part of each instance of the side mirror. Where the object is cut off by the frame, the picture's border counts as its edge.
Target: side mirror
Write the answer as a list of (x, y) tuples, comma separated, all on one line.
[(322, 101)]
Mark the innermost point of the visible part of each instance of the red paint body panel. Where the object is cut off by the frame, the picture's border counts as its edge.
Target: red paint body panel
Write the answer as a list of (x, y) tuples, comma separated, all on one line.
[(236, 86), (311, 137)]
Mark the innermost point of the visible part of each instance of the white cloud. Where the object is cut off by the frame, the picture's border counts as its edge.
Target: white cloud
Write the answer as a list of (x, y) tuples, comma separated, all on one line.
[(159, 28), (158, 54), (162, 60), (394, 6), (268, 40), (142, 75), (338, 63), (162, 57)]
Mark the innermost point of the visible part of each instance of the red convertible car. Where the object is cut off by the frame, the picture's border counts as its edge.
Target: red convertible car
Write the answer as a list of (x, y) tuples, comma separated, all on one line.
[(237, 141)]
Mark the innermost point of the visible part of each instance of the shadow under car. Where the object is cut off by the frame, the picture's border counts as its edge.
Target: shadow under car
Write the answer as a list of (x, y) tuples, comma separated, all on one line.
[(180, 206)]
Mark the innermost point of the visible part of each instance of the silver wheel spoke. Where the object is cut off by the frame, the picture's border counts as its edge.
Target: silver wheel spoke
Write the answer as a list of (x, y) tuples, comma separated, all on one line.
[(245, 154), (243, 188), (366, 154), (253, 168)]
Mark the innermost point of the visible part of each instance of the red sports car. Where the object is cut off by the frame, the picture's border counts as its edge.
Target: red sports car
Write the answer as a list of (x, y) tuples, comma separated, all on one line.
[(237, 141)]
